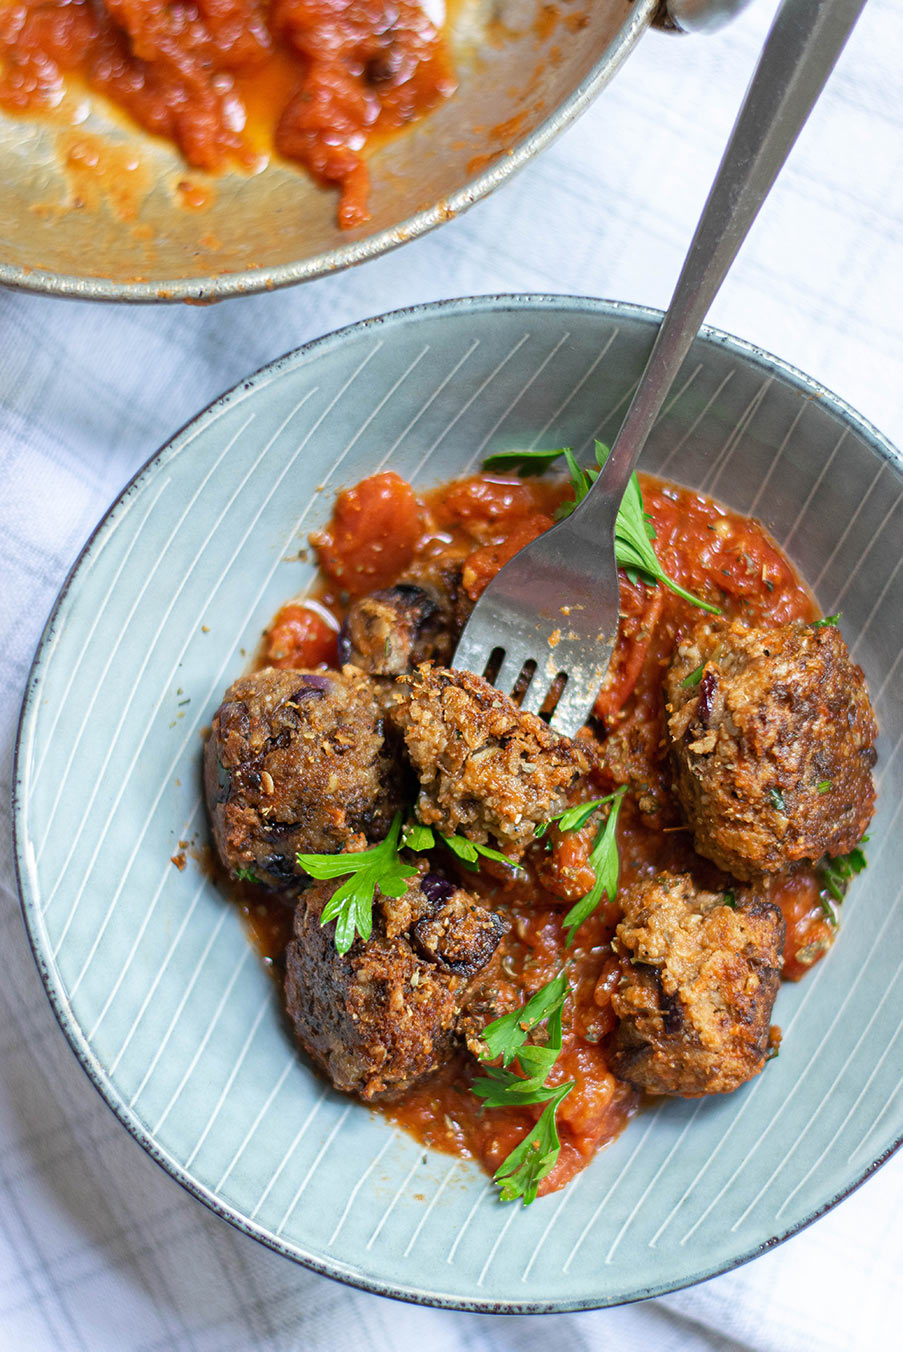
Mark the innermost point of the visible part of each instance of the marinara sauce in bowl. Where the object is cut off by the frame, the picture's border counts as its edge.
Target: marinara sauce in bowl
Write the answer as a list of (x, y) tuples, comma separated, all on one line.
[(147, 961)]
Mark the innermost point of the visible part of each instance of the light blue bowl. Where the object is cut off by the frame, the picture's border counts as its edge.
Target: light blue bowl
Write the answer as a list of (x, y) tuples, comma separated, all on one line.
[(148, 968)]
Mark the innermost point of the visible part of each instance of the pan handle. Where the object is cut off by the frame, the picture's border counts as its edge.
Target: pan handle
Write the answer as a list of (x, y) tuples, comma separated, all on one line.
[(699, 16)]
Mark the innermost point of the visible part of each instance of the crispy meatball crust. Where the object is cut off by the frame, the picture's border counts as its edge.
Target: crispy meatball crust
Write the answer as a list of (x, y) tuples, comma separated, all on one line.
[(486, 769), (389, 632), (385, 1014), (298, 761), (772, 747), (695, 1002)]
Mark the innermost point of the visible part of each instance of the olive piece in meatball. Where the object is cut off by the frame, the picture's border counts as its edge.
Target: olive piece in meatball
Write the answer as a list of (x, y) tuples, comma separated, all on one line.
[(384, 1014), (771, 737), (389, 632), (298, 761), (486, 768), (695, 1002)]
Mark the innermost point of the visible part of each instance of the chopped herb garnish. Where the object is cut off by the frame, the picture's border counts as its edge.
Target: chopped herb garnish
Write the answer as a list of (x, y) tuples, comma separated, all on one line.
[(603, 860), (777, 799), (695, 675), (825, 620), (828, 910), (634, 532), (351, 905), (825, 786), (505, 1037), (469, 852), (246, 875), (523, 463), (573, 818), (838, 872), (529, 1163), (417, 836), (730, 900), (524, 1169)]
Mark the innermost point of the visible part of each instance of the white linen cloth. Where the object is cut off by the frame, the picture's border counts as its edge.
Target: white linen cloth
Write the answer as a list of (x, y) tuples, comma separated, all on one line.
[(99, 1249)]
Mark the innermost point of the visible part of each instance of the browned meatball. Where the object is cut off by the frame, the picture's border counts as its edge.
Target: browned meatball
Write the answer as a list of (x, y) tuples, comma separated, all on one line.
[(771, 743), (390, 631), (384, 1015), (298, 761), (486, 768), (695, 1003)]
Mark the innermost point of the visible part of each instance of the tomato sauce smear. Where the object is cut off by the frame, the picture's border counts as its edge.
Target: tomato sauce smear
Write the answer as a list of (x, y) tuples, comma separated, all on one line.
[(314, 80), (381, 530)]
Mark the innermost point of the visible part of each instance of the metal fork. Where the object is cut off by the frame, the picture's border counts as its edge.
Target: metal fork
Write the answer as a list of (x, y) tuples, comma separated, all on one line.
[(553, 609)]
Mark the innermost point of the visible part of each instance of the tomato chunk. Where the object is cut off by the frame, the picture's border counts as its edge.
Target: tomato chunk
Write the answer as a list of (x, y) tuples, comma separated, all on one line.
[(374, 532), (300, 637)]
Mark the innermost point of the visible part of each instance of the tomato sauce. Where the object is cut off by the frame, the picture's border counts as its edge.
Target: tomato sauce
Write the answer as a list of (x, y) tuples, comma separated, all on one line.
[(314, 80), (380, 531)]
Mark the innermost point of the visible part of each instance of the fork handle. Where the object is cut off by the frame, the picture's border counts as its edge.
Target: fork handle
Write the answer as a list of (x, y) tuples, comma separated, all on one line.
[(804, 43)]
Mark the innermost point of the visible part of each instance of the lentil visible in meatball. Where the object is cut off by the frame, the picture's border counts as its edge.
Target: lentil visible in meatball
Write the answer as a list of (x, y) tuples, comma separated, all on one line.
[(695, 1002), (385, 1014), (298, 761), (486, 768), (771, 735)]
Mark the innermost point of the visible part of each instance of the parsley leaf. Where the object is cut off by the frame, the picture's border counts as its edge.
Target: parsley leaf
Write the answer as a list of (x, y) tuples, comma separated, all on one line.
[(246, 875), (729, 900), (469, 852), (524, 1169), (825, 620), (837, 873), (695, 675), (520, 1174), (351, 905), (633, 528), (573, 818), (505, 1037), (777, 800), (603, 860), (502, 1088), (524, 463), (417, 837)]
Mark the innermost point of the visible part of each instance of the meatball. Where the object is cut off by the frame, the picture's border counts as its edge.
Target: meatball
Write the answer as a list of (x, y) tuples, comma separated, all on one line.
[(389, 632), (771, 736), (486, 768), (298, 761), (695, 1003), (385, 1014)]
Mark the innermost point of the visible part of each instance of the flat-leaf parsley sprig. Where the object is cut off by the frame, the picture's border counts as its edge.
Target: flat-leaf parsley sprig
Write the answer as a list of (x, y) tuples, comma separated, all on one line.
[(603, 857), (520, 1174), (575, 818), (634, 531), (351, 905)]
